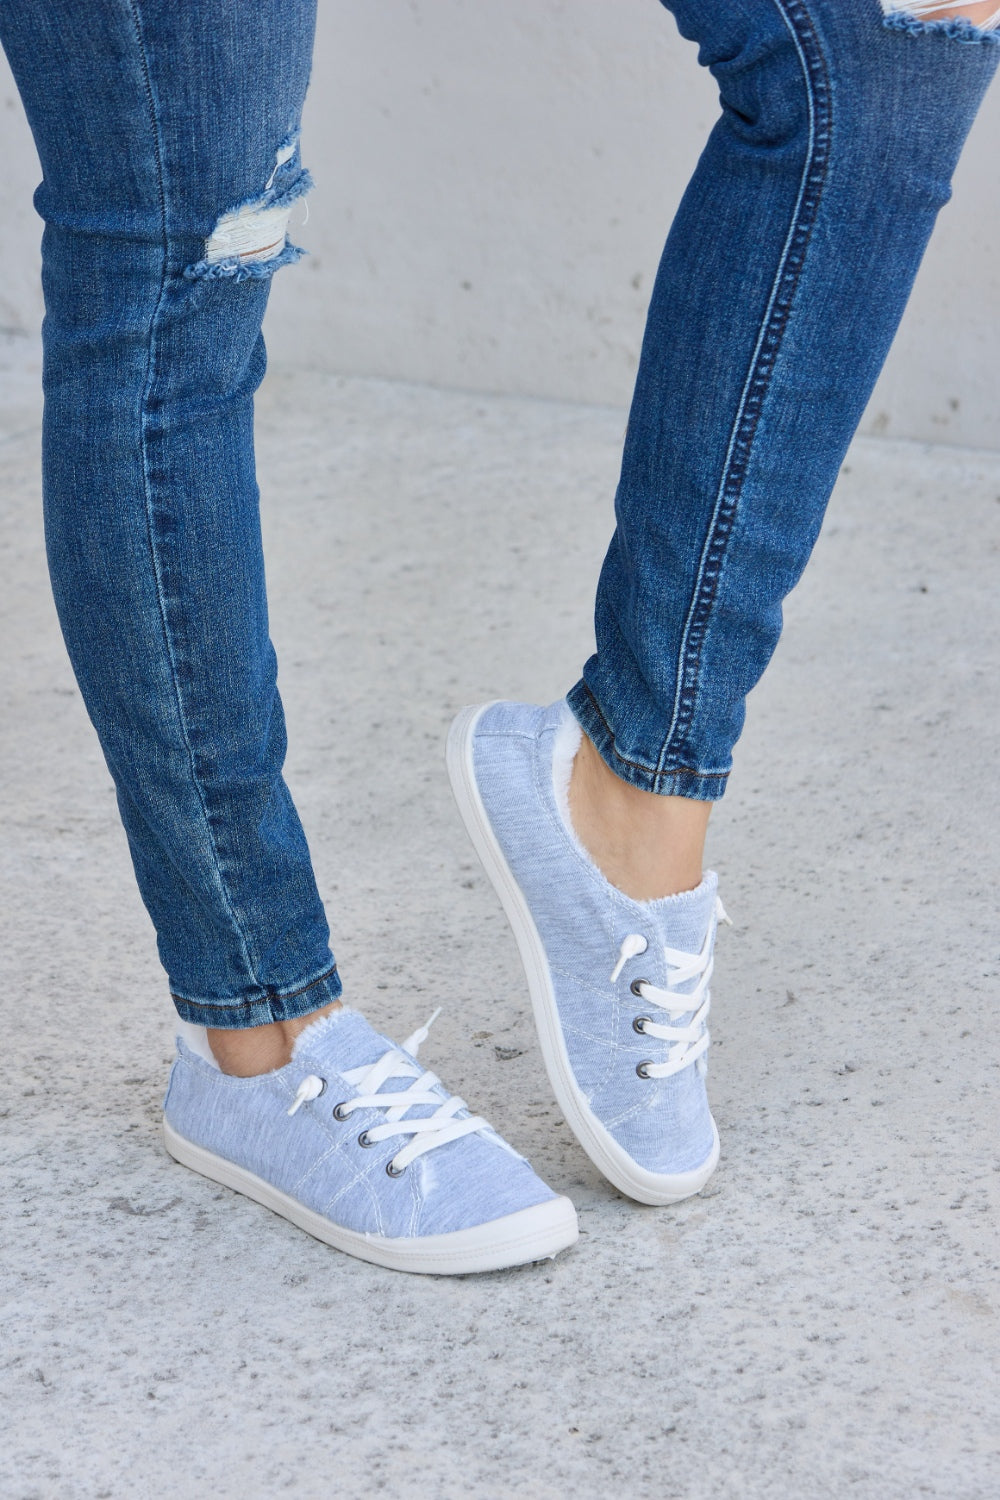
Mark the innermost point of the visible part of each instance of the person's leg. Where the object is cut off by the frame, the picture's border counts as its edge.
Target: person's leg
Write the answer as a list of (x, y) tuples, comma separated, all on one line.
[(781, 285), (647, 845), (151, 122), (168, 136)]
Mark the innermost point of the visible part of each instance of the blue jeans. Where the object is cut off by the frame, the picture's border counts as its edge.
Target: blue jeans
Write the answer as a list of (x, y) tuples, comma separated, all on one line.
[(780, 289), (168, 140), (153, 121)]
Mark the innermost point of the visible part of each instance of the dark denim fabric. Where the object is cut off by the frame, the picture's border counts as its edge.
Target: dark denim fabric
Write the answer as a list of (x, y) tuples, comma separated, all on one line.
[(781, 286), (152, 119)]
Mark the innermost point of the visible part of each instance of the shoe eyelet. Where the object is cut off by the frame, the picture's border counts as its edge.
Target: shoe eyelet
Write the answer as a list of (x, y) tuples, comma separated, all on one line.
[(642, 1068), (340, 1111), (364, 1140), (393, 1170), (636, 987), (639, 1024)]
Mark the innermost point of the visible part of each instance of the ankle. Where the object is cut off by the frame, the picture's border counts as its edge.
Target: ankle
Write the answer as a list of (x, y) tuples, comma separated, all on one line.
[(646, 845), (261, 1049)]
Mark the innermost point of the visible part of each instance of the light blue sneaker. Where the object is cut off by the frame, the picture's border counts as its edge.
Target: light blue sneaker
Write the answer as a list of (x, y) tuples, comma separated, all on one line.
[(356, 1143), (619, 987)]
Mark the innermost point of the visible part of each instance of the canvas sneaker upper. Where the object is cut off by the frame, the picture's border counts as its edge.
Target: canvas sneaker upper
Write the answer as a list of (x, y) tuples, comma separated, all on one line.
[(620, 988), (364, 1139)]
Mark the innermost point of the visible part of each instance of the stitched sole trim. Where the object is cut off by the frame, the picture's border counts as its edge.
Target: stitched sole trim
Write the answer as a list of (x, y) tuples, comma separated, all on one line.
[(536, 1233), (602, 1148)]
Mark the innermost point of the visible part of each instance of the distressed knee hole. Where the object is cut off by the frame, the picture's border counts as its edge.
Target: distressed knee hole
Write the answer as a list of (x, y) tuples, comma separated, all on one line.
[(251, 239), (255, 232), (963, 20)]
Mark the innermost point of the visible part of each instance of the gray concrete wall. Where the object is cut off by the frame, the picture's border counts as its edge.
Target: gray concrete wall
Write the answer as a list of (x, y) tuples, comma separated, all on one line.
[(494, 180)]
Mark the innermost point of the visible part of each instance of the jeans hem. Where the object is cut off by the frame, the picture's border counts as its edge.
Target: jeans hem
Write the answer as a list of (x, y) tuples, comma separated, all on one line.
[(238, 1015), (681, 781)]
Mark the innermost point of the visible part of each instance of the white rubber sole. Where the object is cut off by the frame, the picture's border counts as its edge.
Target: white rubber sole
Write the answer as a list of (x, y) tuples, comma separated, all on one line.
[(602, 1148), (536, 1233)]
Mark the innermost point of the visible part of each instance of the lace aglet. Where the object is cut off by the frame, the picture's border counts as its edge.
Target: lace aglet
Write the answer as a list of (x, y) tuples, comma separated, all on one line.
[(631, 947), (310, 1088), (721, 915), (413, 1043)]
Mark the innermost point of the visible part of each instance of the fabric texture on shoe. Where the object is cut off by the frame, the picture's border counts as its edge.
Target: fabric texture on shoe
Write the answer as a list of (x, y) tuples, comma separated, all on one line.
[(304, 1130), (600, 965)]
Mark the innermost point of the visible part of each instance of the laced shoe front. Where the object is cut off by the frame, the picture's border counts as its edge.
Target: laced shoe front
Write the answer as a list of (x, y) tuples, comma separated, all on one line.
[(619, 988), (359, 1145)]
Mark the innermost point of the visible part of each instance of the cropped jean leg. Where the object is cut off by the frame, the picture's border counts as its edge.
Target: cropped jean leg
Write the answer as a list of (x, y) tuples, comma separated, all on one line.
[(781, 286), (168, 140)]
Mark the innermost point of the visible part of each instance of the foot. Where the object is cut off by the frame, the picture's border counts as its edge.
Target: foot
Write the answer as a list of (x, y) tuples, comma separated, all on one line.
[(261, 1049), (356, 1143), (619, 987), (646, 845)]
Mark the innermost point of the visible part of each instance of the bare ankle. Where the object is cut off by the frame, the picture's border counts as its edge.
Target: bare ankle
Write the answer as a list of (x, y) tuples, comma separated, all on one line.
[(646, 845), (260, 1049)]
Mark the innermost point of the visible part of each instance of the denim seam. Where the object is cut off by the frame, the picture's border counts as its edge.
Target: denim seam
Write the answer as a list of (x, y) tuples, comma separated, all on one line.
[(657, 771), (759, 375), (151, 373), (261, 999)]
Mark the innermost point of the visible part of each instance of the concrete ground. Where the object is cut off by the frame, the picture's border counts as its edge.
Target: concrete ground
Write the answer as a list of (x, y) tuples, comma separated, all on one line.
[(823, 1320)]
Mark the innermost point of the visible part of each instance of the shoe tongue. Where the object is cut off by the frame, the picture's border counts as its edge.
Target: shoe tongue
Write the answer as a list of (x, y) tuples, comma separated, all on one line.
[(344, 1040), (682, 921), (340, 1041), (679, 922)]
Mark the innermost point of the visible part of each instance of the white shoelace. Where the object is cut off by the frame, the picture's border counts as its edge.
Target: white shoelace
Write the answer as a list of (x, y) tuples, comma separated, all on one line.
[(687, 1044), (427, 1132)]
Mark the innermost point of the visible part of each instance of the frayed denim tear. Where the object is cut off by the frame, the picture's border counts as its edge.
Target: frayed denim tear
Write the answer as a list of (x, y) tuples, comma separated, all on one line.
[(257, 218), (234, 269), (959, 30)]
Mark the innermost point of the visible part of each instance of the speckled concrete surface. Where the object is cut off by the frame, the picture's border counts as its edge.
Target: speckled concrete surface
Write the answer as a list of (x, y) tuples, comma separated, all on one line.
[(822, 1321)]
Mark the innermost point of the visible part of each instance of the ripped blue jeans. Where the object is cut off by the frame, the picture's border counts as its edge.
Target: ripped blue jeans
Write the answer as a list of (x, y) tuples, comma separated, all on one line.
[(168, 139)]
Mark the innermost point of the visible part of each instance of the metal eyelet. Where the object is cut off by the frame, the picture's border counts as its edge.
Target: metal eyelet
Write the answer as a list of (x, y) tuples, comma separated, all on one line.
[(636, 987), (340, 1111), (393, 1170), (363, 1139), (639, 1024), (641, 1068)]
